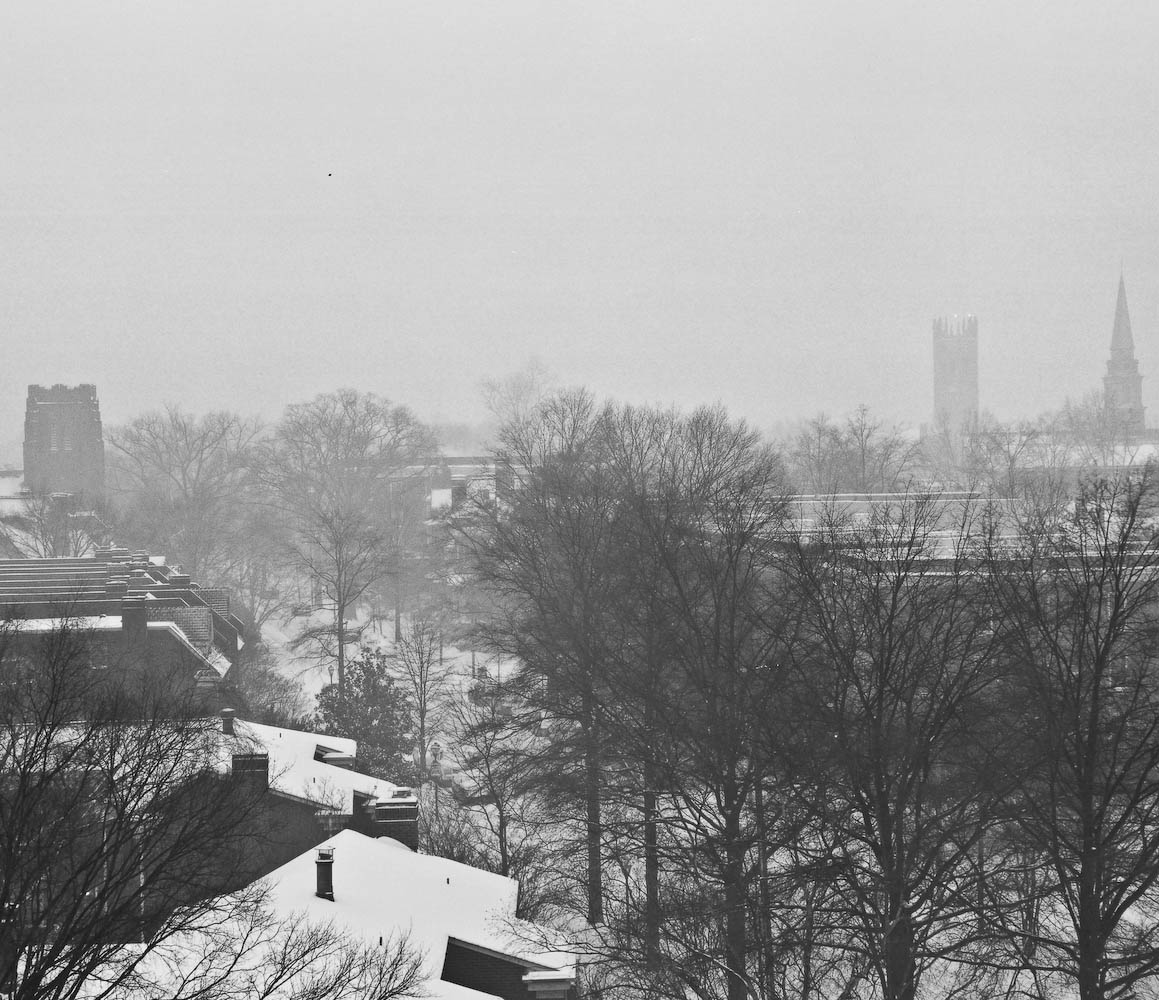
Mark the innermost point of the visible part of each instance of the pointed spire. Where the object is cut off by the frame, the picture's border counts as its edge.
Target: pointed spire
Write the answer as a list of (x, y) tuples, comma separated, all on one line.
[(1123, 385), (1122, 343)]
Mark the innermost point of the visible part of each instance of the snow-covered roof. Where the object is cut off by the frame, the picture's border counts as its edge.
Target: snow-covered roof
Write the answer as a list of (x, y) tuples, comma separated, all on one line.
[(382, 888), (294, 770)]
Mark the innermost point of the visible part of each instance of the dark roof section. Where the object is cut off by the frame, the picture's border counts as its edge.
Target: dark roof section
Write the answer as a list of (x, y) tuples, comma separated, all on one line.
[(98, 585)]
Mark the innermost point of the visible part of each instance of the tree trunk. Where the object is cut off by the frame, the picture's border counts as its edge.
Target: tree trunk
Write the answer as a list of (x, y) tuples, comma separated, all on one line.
[(594, 828), (899, 950), (340, 621), (735, 926), (764, 928), (422, 745), (651, 872), (1089, 945), (504, 853)]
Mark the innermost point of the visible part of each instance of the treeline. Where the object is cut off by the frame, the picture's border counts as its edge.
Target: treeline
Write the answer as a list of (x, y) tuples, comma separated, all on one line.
[(864, 453), (760, 754)]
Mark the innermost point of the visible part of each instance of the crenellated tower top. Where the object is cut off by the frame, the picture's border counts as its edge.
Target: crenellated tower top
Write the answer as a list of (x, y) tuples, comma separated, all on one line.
[(955, 372)]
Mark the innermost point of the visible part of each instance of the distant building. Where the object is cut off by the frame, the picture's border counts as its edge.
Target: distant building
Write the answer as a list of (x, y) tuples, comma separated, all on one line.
[(64, 451), (955, 372), (1123, 385), (458, 478)]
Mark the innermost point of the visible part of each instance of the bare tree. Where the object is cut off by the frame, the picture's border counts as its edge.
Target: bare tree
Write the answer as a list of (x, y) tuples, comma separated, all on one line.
[(1078, 588), (342, 469), (253, 565), (633, 570), (544, 551), (514, 401), (54, 525), (815, 456), (897, 671), (416, 663), (120, 828), (264, 694), (253, 953), (495, 818), (702, 501), (1009, 454), (860, 455), (882, 457), (117, 824), (485, 741), (180, 480), (1097, 435)]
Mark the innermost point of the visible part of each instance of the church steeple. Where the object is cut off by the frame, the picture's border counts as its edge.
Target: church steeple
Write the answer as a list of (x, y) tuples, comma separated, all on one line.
[(1123, 385), (1122, 343)]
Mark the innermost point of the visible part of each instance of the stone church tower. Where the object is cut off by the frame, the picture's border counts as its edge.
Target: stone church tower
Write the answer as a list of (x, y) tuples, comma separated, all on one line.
[(64, 450), (955, 373), (1123, 385)]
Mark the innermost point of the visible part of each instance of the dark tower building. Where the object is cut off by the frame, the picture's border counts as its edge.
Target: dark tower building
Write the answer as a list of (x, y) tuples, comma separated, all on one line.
[(1123, 385), (64, 451), (955, 372)]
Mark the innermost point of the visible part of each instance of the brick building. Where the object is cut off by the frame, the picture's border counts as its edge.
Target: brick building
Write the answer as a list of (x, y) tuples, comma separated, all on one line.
[(122, 605)]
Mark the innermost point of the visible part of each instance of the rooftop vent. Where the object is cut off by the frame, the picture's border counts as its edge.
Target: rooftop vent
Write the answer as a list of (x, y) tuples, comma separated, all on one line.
[(325, 869)]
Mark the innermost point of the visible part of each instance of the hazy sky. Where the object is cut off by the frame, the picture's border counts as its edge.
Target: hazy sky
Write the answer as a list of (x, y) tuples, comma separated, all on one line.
[(239, 205)]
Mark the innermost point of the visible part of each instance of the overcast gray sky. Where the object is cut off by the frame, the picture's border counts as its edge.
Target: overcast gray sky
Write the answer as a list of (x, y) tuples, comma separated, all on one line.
[(241, 204)]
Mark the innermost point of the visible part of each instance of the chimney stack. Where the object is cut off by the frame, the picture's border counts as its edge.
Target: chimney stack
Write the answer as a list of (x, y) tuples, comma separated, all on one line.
[(549, 984), (325, 866), (398, 817), (227, 716), (134, 624), (252, 767)]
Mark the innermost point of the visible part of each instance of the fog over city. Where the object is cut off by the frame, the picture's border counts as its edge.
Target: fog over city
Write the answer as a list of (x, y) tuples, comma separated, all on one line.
[(243, 205), (579, 500)]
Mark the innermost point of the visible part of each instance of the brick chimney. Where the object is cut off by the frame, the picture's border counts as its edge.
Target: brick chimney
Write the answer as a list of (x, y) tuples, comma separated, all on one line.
[(134, 624), (398, 817), (253, 767), (325, 873), (550, 985), (227, 717)]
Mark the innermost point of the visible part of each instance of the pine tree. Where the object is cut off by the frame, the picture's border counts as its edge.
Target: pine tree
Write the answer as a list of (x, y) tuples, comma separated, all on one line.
[(375, 712)]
